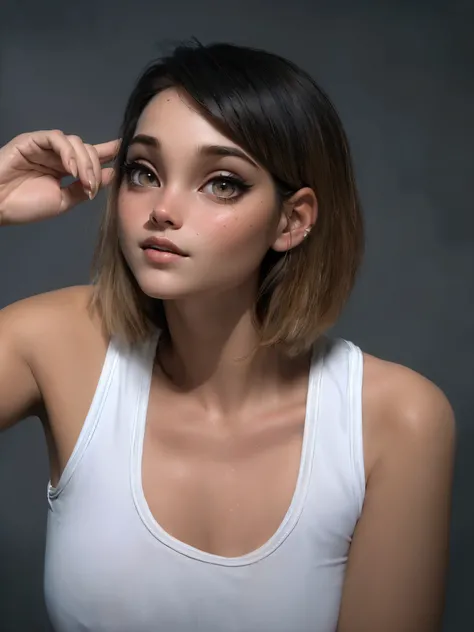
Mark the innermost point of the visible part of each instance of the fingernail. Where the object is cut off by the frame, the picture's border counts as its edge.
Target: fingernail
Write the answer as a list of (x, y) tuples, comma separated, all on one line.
[(91, 179), (73, 167), (92, 190)]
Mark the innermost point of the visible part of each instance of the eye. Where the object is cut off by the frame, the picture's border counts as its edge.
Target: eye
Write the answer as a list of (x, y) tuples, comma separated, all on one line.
[(139, 175), (226, 188)]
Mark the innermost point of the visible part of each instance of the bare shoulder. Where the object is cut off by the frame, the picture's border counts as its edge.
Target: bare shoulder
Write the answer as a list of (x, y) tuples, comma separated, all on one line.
[(63, 346), (397, 564), (41, 321), (402, 407), (49, 303)]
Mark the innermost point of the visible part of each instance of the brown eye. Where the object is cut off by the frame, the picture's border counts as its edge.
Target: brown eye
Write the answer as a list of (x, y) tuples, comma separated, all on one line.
[(226, 188), (139, 175), (223, 188)]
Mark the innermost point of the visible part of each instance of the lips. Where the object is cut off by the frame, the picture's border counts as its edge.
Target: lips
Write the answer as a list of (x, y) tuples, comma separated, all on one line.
[(160, 243)]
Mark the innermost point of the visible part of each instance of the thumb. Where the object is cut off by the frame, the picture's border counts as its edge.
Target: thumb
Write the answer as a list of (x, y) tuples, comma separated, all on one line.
[(72, 195), (75, 194)]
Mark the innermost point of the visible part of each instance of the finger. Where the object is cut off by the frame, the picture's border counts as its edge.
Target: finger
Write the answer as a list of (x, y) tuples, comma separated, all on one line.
[(103, 175), (75, 193), (96, 166), (107, 176), (85, 166), (109, 150), (50, 148), (72, 195)]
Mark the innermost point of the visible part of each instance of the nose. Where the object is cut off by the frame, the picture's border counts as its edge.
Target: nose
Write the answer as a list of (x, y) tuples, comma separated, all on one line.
[(164, 213)]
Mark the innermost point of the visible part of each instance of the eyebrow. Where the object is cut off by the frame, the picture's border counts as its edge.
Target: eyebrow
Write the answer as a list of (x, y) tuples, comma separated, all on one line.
[(202, 150)]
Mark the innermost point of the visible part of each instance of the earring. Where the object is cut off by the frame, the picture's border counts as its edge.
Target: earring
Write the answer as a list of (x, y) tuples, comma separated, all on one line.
[(306, 233)]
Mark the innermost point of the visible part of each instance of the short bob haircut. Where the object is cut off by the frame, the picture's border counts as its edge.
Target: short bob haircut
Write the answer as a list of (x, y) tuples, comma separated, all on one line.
[(278, 114)]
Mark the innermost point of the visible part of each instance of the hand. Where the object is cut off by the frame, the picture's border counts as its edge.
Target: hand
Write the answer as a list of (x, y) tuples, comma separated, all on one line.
[(32, 166)]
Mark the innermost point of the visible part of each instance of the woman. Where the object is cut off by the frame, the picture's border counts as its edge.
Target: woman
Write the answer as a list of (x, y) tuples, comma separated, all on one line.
[(217, 462)]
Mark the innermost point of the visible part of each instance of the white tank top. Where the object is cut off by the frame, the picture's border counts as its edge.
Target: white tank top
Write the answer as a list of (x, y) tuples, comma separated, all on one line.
[(110, 567)]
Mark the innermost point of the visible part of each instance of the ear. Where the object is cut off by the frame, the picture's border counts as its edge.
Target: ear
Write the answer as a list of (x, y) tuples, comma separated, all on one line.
[(298, 216)]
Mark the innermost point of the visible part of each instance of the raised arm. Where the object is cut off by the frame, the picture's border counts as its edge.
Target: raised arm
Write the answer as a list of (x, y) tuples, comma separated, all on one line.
[(32, 166)]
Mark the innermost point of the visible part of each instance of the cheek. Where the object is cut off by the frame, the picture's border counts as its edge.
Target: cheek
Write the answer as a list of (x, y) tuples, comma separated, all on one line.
[(242, 228)]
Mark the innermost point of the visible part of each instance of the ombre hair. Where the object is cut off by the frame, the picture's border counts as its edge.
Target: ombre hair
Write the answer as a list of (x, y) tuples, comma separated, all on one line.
[(278, 114)]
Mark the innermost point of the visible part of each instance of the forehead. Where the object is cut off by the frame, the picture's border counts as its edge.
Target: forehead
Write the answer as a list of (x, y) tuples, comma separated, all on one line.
[(173, 115)]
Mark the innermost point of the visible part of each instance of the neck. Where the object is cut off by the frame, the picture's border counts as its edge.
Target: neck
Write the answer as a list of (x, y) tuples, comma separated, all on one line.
[(213, 354)]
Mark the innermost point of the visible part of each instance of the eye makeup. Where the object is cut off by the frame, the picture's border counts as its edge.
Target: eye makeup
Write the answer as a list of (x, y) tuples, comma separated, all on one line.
[(134, 170)]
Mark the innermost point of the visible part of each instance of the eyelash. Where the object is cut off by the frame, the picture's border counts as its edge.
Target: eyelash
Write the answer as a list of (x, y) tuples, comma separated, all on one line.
[(130, 167)]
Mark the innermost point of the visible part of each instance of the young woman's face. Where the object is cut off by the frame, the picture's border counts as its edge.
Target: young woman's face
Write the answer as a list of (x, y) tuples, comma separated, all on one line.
[(184, 183)]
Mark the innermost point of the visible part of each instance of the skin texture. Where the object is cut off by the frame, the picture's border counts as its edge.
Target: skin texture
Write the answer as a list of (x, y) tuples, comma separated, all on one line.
[(228, 420)]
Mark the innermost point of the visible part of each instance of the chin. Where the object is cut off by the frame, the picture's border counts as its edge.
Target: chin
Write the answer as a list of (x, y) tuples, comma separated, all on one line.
[(163, 288), (158, 291), (169, 285)]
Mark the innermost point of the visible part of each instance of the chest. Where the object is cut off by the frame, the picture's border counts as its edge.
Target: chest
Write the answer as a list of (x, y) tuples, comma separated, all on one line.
[(221, 486)]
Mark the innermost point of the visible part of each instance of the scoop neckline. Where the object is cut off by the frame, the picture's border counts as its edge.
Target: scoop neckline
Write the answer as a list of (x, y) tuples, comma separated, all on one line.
[(295, 508)]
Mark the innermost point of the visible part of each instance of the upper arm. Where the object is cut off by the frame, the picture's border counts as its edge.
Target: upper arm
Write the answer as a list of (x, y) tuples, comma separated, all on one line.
[(395, 578), (20, 396)]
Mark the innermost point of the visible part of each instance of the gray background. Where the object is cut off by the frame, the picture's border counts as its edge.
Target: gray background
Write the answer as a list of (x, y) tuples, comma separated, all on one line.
[(401, 76)]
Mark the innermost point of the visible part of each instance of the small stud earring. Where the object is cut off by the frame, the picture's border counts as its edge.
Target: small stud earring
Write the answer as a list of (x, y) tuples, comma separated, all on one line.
[(306, 233)]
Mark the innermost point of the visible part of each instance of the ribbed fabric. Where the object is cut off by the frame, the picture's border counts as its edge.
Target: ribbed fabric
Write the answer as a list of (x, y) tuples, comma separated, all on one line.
[(109, 565)]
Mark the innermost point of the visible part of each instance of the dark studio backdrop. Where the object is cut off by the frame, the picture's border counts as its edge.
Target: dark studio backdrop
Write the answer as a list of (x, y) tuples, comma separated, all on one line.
[(401, 75)]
